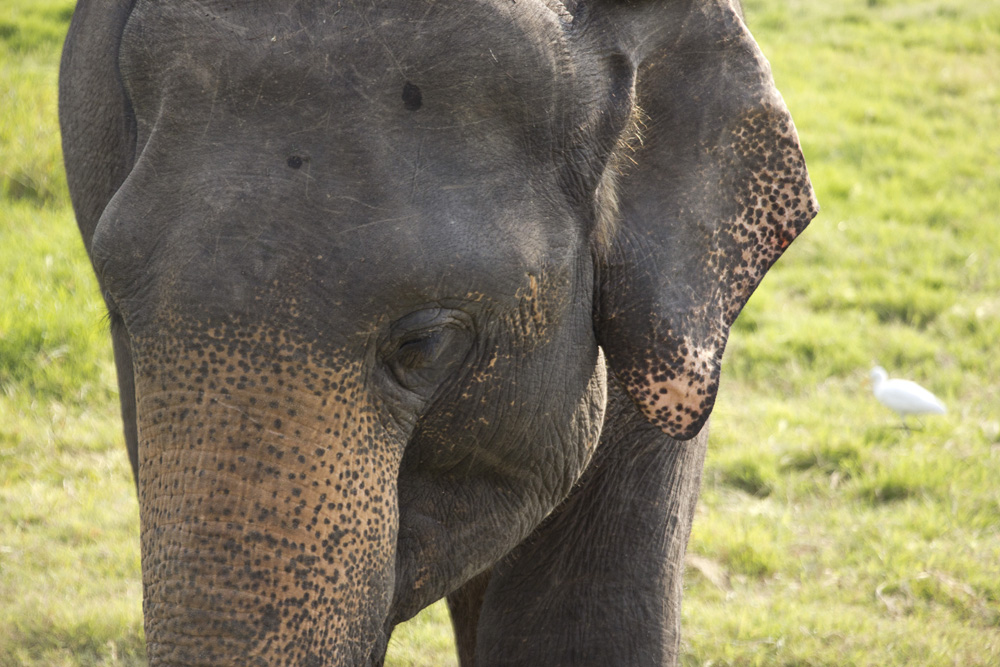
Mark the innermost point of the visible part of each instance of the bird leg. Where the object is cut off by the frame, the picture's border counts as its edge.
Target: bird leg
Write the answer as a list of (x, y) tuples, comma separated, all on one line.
[(908, 428)]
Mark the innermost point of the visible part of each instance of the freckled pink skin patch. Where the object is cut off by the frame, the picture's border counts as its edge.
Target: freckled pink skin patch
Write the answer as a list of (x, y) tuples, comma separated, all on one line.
[(675, 382)]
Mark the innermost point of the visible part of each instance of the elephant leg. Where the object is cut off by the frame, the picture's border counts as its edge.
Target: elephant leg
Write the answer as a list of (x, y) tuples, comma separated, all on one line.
[(599, 583), (464, 605)]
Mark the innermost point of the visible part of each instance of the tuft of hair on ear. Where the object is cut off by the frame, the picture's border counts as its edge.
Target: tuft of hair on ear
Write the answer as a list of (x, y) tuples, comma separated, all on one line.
[(607, 212), (562, 8), (570, 5)]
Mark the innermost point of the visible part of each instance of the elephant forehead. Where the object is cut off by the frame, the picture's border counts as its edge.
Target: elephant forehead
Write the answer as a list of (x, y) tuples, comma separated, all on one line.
[(348, 146), (256, 263), (347, 54), (235, 228)]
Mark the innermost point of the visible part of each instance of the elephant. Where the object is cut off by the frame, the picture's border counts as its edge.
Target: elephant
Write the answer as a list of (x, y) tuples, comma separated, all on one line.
[(421, 299)]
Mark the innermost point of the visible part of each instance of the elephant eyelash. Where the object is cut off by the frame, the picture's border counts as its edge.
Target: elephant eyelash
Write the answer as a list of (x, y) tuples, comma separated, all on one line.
[(416, 339), (412, 346)]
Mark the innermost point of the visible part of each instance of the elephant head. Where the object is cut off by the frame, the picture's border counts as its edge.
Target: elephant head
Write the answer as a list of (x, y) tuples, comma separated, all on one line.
[(364, 261)]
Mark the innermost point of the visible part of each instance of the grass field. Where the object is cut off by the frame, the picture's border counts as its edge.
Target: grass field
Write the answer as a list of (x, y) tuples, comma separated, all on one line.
[(825, 536)]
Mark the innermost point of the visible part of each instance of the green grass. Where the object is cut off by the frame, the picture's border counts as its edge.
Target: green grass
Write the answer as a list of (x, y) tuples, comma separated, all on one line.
[(825, 535)]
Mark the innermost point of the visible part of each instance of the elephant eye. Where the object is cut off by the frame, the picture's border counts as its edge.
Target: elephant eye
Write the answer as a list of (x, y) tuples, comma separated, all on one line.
[(419, 351), (422, 356)]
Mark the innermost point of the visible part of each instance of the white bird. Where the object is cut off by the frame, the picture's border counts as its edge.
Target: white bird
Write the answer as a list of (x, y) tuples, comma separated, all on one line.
[(903, 396)]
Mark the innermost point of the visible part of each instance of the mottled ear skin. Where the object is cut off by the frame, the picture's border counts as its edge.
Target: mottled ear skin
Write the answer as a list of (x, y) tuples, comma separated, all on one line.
[(711, 190)]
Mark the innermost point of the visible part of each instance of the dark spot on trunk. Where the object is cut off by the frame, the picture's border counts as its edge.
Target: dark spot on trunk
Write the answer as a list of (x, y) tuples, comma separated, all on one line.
[(270, 620), (294, 161), (413, 99)]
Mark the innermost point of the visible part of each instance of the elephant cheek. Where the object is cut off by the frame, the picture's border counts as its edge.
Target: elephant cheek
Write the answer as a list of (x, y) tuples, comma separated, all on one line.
[(268, 511)]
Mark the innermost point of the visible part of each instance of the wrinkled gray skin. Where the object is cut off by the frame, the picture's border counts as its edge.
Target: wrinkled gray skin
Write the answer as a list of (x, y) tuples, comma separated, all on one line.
[(419, 298)]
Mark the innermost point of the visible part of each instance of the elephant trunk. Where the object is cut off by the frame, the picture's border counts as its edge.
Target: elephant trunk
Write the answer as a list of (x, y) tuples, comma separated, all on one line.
[(267, 506)]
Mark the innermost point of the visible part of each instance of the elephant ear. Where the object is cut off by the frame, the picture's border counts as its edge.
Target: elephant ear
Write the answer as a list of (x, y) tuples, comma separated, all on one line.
[(713, 190)]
